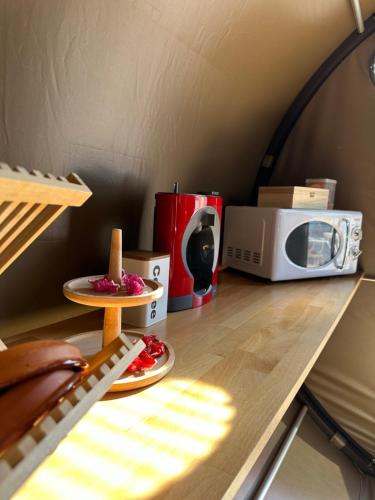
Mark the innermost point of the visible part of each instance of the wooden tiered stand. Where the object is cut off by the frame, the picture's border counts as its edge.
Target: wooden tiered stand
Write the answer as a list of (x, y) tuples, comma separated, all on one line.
[(29, 202), (80, 291)]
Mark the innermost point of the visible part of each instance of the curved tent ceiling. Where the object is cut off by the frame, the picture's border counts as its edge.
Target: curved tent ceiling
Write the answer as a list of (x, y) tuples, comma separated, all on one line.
[(334, 137)]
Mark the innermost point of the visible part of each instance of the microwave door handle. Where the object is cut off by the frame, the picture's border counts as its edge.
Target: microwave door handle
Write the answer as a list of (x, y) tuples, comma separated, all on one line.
[(347, 225)]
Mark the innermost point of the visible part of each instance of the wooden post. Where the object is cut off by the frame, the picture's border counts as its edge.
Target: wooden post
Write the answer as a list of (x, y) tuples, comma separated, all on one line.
[(112, 324), (115, 257), (112, 315)]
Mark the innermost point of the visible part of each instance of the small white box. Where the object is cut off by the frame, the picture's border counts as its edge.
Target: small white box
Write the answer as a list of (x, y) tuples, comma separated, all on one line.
[(151, 265)]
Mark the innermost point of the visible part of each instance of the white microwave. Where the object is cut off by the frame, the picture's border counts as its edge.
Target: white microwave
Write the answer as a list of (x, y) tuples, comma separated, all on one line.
[(284, 244)]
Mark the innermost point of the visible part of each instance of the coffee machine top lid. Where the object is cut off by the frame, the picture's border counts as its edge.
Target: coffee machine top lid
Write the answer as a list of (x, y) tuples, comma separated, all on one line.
[(176, 192), (209, 193)]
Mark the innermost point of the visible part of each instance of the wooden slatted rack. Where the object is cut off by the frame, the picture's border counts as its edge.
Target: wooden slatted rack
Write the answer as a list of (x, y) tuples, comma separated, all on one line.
[(29, 202), (20, 460)]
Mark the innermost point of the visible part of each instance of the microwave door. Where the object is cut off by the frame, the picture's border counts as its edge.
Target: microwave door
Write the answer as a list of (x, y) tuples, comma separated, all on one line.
[(313, 244)]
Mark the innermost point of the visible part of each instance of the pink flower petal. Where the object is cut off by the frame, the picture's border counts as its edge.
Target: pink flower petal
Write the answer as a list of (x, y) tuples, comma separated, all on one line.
[(135, 288), (136, 278), (104, 285), (133, 283)]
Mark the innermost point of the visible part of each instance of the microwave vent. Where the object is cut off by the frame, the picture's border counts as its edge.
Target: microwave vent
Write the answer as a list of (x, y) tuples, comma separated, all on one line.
[(256, 258), (247, 255), (229, 251), (238, 253)]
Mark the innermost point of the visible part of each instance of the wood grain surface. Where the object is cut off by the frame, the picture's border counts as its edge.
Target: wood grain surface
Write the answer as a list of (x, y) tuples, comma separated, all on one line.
[(293, 197), (29, 202), (80, 291), (21, 185), (240, 361)]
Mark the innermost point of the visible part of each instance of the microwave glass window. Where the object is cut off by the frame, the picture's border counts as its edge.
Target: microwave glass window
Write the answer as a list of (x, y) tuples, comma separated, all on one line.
[(312, 244)]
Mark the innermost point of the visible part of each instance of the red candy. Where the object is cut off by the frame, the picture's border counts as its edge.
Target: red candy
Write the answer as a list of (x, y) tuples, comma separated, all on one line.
[(135, 365), (147, 359), (157, 349)]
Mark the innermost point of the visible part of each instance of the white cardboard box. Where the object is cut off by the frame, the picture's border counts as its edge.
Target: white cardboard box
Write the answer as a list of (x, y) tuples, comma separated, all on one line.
[(155, 266)]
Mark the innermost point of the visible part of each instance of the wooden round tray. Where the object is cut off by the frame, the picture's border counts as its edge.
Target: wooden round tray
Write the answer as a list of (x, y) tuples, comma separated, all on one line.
[(79, 290), (91, 342)]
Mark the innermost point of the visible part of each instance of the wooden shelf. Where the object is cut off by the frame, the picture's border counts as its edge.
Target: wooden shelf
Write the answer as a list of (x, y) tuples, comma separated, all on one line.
[(80, 291), (91, 343), (240, 361)]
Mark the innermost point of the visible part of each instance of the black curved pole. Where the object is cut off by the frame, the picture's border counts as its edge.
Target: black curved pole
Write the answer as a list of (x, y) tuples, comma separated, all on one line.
[(290, 118)]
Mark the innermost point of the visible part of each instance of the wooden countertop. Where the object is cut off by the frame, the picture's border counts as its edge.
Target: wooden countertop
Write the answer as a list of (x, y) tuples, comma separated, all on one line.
[(240, 361)]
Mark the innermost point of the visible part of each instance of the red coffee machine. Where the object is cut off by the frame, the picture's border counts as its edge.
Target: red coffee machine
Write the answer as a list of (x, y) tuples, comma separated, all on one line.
[(187, 226)]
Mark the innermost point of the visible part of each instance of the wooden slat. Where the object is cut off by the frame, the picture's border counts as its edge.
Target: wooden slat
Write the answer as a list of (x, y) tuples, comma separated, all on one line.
[(28, 235), (20, 185), (50, 176), (17, 228), (75, 179), (6, 208), (37, 173), (29, 202), (4, 166), (14, 218), (21, 170)]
